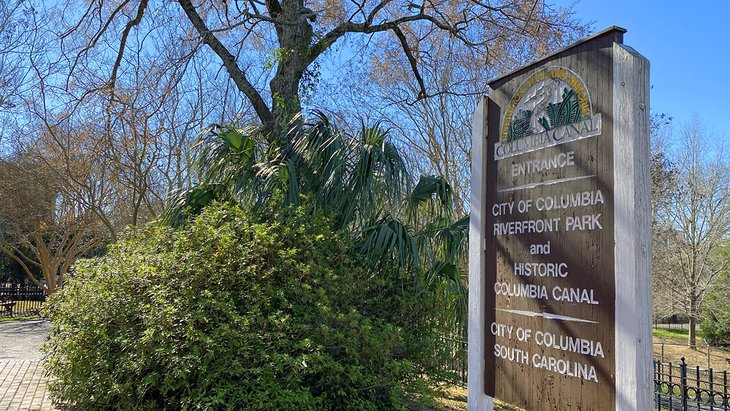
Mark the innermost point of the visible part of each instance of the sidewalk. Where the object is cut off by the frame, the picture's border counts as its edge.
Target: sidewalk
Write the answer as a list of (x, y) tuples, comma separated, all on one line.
[(23, 386), (22, 383)]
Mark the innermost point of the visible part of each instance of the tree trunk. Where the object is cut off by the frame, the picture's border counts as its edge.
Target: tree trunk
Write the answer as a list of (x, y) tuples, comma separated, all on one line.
[(692, 339), (293, 58), (285, 94)]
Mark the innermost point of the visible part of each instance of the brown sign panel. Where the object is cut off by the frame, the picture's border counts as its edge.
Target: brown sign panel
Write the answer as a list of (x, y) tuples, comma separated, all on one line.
[(550, 277)]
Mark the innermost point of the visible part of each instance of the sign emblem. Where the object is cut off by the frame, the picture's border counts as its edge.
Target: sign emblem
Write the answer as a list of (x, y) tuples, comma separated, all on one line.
[(551, 107)]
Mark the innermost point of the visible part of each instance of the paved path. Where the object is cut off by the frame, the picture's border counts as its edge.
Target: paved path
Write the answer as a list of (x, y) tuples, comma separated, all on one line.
[(22, 383)]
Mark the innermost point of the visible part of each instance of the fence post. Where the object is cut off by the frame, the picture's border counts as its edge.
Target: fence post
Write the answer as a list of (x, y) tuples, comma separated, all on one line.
[(698, 385), (657, 385), (712, 391), (662, 350), (671, 387), (724, 384), (683, 383)]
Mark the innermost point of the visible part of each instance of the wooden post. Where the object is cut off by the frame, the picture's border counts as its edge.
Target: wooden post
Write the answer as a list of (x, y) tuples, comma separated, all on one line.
[(477, 400), (633, 229)]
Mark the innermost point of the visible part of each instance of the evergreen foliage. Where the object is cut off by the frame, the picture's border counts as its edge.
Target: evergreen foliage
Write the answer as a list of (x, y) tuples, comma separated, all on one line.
[(359, 181), (228, 312), (715, 318)]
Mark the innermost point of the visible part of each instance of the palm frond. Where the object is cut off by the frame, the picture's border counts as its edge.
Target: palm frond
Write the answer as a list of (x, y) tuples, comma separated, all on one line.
[(378, 176), (435, 194), (449, 275), (389, 241), (322, 153), (453, 240), (360, 181), (184, 204)]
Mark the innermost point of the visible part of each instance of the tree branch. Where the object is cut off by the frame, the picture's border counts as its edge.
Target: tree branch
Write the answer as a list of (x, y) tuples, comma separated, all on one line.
[(411, 61), (123, 43), (22, 264), (366, 27), (95, 38), (229, 62)]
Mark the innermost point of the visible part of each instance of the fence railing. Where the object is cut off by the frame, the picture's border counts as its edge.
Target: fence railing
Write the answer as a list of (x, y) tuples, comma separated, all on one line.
[(681, 387), (21, 300), (454, 356)]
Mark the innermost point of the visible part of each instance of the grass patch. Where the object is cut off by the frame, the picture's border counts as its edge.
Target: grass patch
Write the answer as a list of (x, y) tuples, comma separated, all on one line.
[(673, 333), (676, 335), (671, 346)]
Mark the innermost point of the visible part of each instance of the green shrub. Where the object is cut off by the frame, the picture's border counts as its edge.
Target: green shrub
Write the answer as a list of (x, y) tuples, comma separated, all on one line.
[(231, 314), (715, 327), (715, 318)]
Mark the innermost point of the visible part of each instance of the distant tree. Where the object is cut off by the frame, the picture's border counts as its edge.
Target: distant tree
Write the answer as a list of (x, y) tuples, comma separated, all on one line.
[(118, 161), (697, 223), (662, 168), (41, 227), (663, 187), (117, 151), (111, 170)]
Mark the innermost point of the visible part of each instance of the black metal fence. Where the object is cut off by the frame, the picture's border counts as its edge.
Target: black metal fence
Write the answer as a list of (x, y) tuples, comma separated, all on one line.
[(17, 300), (680, 387), (454, 356)]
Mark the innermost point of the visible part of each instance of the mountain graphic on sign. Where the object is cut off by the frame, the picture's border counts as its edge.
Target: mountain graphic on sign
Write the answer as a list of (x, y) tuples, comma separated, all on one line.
[(546, 103)]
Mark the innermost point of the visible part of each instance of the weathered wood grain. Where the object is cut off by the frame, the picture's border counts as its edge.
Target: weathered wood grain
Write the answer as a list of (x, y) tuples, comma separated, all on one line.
[(633, 230), (477, 400)]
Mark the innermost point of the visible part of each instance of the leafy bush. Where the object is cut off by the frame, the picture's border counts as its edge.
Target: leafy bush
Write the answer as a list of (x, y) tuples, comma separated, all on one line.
[(715, 320), (231, 314)]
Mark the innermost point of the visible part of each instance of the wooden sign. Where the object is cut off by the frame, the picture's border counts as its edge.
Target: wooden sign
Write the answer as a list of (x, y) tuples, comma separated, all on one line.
[(563, 208)]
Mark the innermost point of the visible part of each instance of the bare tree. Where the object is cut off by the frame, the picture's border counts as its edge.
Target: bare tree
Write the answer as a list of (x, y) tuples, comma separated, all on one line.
[(435, 132), (42, 227), (697, 222), (269, 49), (120, 160), (663, 189), (16, 42)]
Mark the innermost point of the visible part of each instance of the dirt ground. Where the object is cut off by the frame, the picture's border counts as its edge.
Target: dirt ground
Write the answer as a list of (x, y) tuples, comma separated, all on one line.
[(669, 349)]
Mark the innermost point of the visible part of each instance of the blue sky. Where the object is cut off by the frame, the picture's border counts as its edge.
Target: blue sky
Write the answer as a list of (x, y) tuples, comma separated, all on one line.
[(688, 46)]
